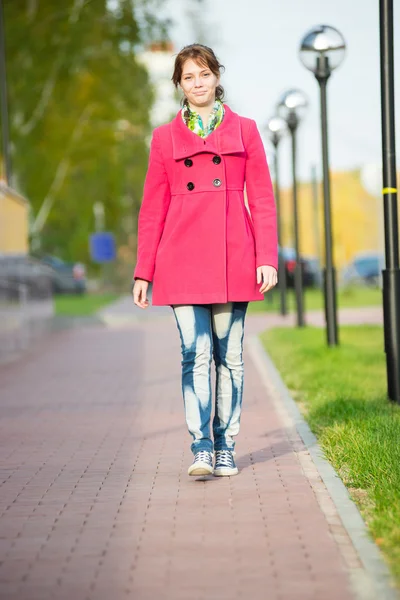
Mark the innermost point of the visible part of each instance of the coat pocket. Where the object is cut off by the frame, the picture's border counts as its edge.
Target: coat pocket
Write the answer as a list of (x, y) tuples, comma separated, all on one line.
[(248, 220)]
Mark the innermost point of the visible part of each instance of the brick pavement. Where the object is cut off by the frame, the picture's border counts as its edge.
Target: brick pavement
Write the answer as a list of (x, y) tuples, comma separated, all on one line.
[(95, 500)]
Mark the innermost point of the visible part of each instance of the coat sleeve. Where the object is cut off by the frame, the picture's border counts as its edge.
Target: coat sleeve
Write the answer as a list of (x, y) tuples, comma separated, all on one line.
[(153, 212), (260, 197)]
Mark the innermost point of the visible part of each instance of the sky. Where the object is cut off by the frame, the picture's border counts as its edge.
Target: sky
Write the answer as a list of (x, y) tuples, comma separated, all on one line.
[(258, 40)]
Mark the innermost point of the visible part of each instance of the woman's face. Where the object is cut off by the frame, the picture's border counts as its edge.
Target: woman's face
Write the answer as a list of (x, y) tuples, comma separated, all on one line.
[(198, 83)]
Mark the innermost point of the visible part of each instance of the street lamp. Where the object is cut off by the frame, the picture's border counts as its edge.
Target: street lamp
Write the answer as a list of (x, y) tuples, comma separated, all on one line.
[(391, 274), (321, 51), (277, 128), (291, 108)]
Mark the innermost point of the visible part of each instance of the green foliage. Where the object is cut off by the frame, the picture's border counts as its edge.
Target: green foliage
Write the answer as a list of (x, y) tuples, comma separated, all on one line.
[(342, 393), (79, 104)]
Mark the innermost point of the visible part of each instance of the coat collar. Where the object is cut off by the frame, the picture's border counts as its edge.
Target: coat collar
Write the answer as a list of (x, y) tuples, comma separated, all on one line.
[(225, 139)]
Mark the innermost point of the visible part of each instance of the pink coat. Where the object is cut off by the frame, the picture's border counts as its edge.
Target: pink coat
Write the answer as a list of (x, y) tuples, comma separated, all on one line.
[(197, 242)]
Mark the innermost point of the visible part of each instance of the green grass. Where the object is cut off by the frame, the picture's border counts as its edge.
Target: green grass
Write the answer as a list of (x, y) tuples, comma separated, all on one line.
[(342, 393), (314, 300), (81, 306)]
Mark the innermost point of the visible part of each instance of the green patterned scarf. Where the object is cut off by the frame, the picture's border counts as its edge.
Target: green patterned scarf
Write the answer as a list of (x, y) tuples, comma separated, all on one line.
[(195, 123)]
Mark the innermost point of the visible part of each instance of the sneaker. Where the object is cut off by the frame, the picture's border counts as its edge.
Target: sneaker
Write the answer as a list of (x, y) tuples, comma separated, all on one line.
[(202, 464), (225, 463)]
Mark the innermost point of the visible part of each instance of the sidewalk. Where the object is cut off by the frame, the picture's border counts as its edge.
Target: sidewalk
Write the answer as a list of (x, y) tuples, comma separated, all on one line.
[(96, 503)]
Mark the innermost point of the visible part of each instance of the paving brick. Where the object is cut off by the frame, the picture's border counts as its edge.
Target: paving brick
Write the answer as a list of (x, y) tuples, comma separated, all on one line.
[(96, 502)]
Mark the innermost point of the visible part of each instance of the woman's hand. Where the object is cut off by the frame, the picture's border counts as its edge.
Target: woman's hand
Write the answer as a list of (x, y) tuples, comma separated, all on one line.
[(139, 293), (269, 276)]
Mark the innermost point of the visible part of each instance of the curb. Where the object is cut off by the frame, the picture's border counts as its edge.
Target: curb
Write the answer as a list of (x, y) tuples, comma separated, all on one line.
[(373, 580)]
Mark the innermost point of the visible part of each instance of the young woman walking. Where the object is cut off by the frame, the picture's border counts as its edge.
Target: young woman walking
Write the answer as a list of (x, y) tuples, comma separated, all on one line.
[(206, 256)]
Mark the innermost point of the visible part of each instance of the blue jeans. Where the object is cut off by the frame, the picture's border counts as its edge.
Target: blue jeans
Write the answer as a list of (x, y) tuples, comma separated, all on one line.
[(212, 331)]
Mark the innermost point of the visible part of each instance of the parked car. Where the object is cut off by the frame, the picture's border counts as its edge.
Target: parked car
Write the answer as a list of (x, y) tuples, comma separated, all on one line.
[(309, 268), (314, 270), (20, 274), (68, 278), (364, 269)]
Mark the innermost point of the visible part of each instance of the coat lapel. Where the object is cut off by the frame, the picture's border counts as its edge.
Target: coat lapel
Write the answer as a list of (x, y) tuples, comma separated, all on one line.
[(225, 139)]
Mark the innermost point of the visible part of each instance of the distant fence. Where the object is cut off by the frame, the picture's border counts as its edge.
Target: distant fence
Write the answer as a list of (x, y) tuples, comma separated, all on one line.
[(26, 304)]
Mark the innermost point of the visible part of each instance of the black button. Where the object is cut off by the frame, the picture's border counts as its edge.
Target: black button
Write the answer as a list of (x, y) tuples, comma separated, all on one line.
[(216, 160), (190, 186), (188, 162), (217, 182)]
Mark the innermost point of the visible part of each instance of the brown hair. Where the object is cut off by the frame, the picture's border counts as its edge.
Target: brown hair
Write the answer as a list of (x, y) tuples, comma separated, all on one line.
[(202, 55)]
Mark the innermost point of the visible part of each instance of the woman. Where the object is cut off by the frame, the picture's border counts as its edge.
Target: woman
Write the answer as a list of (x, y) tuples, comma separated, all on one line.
[(206, 256)]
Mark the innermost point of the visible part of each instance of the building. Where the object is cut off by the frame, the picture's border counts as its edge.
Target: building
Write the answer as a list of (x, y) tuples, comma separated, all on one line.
[(14, 211), (158, 58)]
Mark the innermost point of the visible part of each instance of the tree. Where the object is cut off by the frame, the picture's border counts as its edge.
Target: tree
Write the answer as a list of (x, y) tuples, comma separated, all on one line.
[(79, 114)]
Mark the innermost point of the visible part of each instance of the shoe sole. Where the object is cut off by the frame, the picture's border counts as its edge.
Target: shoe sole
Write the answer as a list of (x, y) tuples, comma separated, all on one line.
[(225, 472), (200, 469)]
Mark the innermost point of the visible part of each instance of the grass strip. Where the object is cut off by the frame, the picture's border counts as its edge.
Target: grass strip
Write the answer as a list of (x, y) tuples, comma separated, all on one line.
[(351, 297), (82, 305), (341, 392)]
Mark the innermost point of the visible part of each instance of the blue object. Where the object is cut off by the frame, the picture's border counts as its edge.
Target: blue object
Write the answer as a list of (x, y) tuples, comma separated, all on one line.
[(102, 247)]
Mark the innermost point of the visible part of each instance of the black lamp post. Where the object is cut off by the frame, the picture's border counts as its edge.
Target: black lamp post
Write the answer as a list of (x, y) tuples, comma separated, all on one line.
[(391, 274), (277, 128), (291, 107), (322, 50)]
